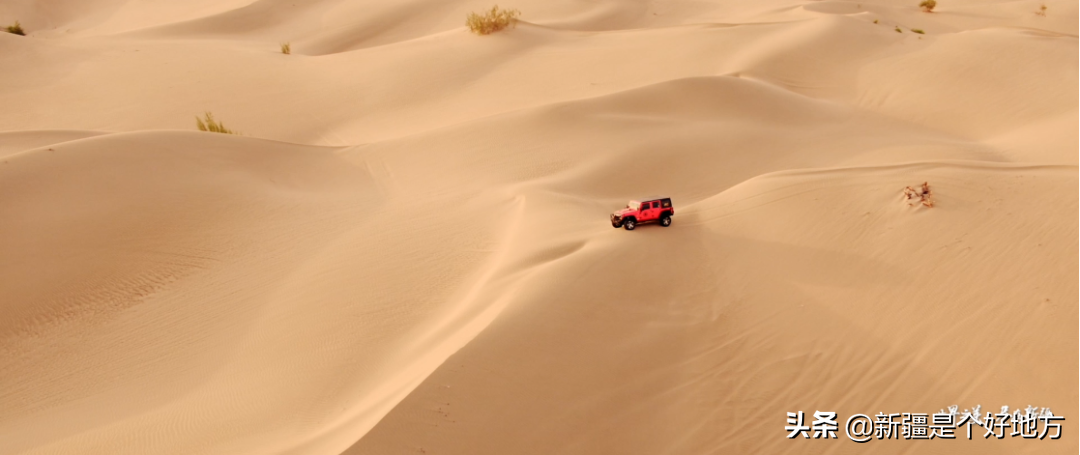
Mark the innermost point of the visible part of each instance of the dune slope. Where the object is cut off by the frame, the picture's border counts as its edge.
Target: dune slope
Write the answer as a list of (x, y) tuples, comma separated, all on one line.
[(406, 249)]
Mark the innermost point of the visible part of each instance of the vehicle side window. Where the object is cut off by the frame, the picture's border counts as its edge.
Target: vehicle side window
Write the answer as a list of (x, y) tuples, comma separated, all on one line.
[(655, 205), (667, 204), (645, 206)]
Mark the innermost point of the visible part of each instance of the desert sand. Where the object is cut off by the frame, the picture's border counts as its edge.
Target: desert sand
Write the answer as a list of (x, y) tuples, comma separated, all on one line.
[(407, 247)]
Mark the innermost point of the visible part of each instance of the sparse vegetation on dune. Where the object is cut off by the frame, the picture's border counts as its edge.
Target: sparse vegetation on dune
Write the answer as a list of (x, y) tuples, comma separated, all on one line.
[(492, 21), (1042, 10), (917, 30), (898, 29), (928, 5), (15, 29), (286, 48), (922, 195), (210, 125)]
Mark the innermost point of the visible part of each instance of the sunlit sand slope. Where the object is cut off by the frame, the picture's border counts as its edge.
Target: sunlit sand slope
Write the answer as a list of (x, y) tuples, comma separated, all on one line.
[(406, 249)]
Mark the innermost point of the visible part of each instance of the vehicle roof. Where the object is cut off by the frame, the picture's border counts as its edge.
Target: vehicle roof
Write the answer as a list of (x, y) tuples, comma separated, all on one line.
[(654, 198)]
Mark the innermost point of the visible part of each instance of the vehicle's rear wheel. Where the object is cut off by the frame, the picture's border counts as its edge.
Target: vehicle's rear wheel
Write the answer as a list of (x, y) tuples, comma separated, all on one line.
[(629, 225), (665, 220)]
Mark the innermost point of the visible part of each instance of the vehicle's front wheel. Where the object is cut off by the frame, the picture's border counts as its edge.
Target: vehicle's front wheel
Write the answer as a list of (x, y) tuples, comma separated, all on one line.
[(665, 221), (629, 225)]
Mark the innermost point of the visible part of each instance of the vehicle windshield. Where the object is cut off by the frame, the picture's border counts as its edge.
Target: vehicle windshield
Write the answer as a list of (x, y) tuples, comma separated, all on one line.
[(633, 205)]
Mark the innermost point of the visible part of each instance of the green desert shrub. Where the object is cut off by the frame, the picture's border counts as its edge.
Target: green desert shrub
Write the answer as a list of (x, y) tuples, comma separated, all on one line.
[(492, 21), (928, 5), (898, 30), (210, 125), (286, 48), (15, 29), (917, 30)]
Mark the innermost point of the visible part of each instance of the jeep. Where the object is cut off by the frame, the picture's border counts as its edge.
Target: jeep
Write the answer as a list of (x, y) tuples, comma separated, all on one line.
[(651, 210)]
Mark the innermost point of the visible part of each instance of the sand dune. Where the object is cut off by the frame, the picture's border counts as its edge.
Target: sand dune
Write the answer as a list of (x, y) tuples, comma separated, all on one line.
[(18, 141), (406, 249)]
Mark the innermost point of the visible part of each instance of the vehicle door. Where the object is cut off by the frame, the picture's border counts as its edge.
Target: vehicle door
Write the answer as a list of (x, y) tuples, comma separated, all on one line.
[(648, 211)]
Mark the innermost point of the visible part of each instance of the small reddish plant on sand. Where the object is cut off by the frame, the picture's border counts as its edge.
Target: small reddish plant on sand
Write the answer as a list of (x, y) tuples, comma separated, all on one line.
[(922, 195)]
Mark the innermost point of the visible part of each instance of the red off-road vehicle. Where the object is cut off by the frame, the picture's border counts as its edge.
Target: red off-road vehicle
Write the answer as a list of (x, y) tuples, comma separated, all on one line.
[(651, 210)]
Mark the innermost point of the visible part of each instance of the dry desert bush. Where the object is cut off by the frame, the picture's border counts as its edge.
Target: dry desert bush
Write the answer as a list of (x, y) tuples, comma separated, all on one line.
[(15, 29), (210, 125), (494, 20), (286, 48), (917, 30), (1042, 10), (928, 5), (921, 195)]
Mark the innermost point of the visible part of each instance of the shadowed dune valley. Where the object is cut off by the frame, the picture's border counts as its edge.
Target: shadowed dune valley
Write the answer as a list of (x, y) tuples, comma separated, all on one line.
[(593, 227)]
